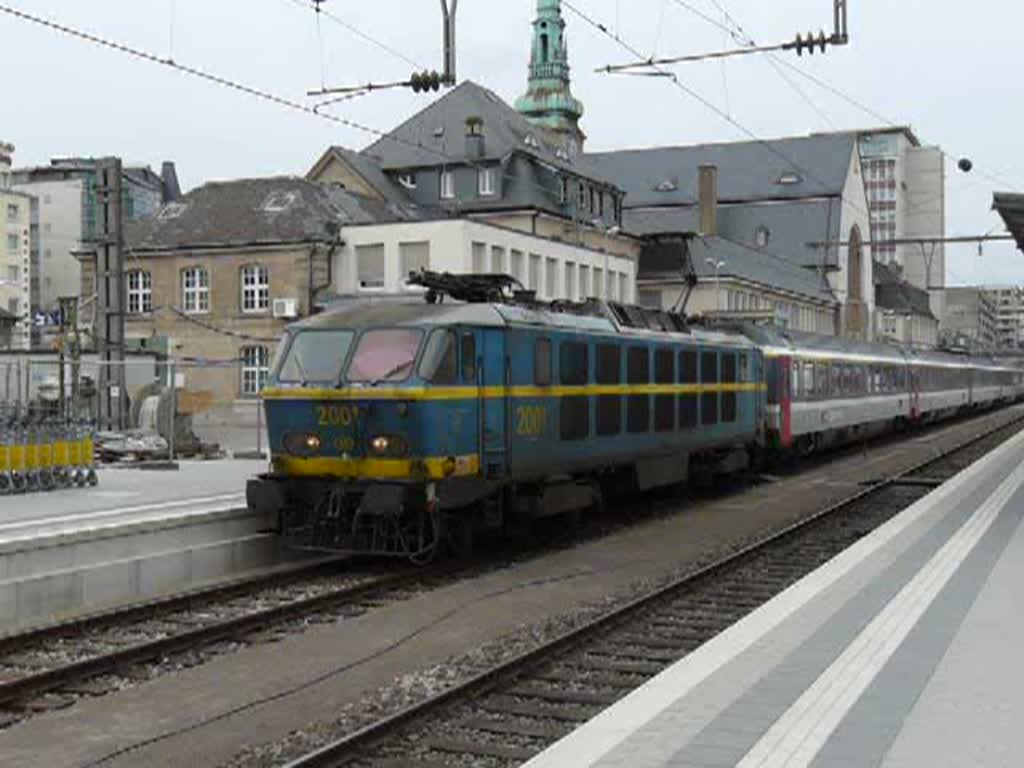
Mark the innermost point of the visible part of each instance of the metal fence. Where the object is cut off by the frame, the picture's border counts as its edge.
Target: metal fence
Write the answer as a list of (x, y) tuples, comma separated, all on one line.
[(157, 408)]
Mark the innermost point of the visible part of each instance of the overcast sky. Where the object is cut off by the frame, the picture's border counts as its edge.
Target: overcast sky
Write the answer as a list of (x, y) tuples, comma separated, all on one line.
[(939, 66)]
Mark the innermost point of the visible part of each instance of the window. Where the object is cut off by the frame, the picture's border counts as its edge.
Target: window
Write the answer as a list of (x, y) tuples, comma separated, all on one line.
[(533, 280), (593, 201), (563, 191), (638, 407), (570, 281), (447, 185), (12, 211), (407, 180), (12, 307), (370, 265), (479, 258), (598, 283), (709, 378), (688, 400), (315, 357), (486, 182), (385, 355), (497, 260), (574, 370), (439, 365), (551, 278), (584, 282), (195, 290), (517, 266), (255, 370), (664, 405), (609, 373), (413, 257), (469, 358), (13, 243), (623, 288), (140, 292), (729, 378), (542, 363), (14, 274), (255, 288)]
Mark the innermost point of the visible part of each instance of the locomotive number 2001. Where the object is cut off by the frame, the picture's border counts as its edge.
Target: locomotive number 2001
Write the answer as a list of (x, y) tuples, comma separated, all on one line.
[(336, 415), (531, 420)]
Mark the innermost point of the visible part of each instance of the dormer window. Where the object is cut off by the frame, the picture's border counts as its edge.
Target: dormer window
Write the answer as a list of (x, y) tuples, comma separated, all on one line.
[(789, 179), (762, 236), (407, 180), (666, 186), (486, 182), (531, 141), (447, 185), (279, 201)]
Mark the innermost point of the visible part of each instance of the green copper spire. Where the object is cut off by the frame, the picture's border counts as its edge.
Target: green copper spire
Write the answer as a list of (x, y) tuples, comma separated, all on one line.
[(549, 102)]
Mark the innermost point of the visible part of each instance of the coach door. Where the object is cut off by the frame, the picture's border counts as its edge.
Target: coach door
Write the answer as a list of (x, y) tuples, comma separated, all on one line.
[(789, 387), (493, 382)]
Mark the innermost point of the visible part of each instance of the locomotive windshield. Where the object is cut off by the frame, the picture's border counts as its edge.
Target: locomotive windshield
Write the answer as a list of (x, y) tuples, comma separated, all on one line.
[(315, 357), (385, 355)]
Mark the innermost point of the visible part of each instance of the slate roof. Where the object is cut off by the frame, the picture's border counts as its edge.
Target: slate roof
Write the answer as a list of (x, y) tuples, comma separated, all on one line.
[(438, 134), (741, 262), (746, 170), (370, 170), (267, 211), (790, 225), (1011, 208), (895, 294)]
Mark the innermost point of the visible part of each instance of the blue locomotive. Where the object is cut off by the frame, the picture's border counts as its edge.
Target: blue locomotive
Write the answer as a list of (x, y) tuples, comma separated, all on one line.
[(398, 428)]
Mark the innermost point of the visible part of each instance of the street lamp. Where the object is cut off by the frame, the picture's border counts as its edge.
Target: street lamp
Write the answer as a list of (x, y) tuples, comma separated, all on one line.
[(609, 232), (717, 266)]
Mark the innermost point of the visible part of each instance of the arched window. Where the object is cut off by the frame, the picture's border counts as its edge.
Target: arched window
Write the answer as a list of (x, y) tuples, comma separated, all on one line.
[(140, 292), (255, 288), (255, 369), (195, 290), (544, 53)]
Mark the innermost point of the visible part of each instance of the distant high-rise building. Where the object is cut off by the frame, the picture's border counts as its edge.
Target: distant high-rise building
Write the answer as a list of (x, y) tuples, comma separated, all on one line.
[(15, 264), (1009, 306)]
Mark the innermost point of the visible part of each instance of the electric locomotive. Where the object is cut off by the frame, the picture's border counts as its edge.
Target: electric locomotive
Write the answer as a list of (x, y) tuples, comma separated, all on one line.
[(400, 428)]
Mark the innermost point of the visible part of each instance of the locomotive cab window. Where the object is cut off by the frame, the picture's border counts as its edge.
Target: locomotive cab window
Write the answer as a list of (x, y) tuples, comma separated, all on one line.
[(439, 365), (542, 363), (315, 357), (574, 411), (469, 358), (709, 377), (609, 373), (385, 356), (638, 408)]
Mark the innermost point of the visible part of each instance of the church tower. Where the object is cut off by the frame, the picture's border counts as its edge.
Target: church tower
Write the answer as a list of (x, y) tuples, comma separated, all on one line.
[(549, 102)]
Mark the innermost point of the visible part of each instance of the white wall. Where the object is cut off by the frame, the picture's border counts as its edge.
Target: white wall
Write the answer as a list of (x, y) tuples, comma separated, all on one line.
[(855, 213), (455, 246), (15, 295), (922, 209), (60, 232)]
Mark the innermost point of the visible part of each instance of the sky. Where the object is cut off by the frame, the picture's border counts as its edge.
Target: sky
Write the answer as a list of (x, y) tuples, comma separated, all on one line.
[(938, 66)]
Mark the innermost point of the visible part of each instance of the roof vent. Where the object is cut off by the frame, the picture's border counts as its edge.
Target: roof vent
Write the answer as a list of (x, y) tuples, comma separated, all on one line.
[(171, 211), (666, 186), (439, 131), (279, 201), (789, 179)]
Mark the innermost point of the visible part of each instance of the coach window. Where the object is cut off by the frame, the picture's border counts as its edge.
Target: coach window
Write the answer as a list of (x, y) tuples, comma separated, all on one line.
[(609, 373), (664, 404), (439, 363), (688, 400), (709, 379), (469, 358), (729, 379), (542, 363), (638, 373), (821, 374), (836, 380), (574, 368), (794, 377), (808, 381), (744, 368)]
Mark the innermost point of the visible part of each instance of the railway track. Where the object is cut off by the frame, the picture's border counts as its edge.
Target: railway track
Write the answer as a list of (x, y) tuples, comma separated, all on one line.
[(507, 714), (50, 667)]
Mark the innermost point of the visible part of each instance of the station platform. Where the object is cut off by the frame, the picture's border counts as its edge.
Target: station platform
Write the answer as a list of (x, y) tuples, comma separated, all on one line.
[(129, 496), (905, 650)]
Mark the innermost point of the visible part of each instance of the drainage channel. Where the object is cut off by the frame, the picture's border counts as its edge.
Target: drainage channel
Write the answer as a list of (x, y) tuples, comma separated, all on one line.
[(513, 711)]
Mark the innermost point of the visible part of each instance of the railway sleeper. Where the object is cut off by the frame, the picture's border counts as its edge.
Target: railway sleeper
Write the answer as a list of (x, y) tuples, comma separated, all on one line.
[(516, 728), (640, 654), (598, 677), (481, 749), (611, 664), (504, 705), (592, 698)]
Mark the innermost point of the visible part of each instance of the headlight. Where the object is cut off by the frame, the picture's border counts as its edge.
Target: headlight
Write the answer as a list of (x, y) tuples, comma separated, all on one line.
[(389, 445), (298, 444)]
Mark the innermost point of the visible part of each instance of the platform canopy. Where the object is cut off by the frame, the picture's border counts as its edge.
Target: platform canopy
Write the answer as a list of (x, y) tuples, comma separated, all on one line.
[(1011, 208)]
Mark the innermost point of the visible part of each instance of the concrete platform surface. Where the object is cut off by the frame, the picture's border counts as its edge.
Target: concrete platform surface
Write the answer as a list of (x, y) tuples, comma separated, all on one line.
[(903, 651), (128, 495), (207, 714)]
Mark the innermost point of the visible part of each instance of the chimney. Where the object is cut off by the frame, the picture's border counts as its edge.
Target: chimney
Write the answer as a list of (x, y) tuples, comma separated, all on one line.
[(169, 175), (709, 200), (475, 147)]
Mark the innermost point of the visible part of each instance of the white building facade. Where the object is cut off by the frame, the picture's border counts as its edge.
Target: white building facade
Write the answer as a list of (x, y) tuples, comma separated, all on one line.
[(377, 258), (15, 247)]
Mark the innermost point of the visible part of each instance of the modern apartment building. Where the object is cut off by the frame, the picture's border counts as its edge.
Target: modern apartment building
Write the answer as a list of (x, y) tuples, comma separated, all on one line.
[(1009, 305), (971, 315), (15, 264)]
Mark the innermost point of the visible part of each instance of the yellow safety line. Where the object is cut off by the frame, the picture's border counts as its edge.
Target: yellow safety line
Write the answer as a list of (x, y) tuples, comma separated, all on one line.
[(490, 393)]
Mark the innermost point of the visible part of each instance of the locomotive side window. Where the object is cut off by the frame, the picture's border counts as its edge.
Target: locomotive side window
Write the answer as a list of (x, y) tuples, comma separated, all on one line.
[(542, 363), (574, 412), (729, 377), (469, 358), (688, 401), (609, 373), (808, 369), (439, 364), (664, 405), (638, 408), (821, 374), (709, 377)]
